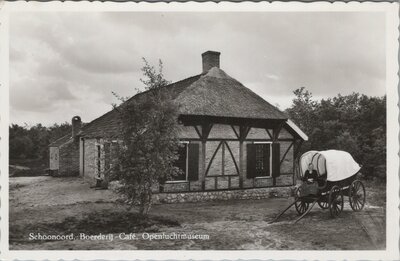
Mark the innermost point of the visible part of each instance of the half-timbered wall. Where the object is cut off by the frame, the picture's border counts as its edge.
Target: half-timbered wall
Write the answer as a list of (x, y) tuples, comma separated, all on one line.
[(221, 168), (220, 131), (189, 184)]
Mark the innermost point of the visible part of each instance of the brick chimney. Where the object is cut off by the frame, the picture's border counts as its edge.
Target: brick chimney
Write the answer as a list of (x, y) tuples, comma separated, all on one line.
[(210, 60), (76, 126)]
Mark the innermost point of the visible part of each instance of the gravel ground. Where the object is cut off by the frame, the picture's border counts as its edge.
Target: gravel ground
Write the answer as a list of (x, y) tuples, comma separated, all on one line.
[(40, 203)]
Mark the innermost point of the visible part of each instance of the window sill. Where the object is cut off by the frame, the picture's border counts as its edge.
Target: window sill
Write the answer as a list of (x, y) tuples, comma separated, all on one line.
[(264, 177), (176, 181)]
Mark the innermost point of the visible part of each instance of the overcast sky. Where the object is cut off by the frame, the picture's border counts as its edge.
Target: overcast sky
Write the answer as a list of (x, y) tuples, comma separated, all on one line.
[(66, 64)]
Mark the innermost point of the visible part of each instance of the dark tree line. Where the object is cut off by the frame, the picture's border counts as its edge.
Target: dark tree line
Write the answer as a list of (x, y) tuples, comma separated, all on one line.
[(355, 123), (32, 142)]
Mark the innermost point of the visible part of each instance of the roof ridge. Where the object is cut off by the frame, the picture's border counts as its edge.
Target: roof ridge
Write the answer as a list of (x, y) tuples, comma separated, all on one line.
[(235, 84), (166, 86)]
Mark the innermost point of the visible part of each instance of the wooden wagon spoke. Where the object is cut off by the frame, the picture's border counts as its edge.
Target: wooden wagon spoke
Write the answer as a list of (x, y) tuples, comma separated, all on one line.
[(357, 195), (358, 204), (335, 201), (307, 211)]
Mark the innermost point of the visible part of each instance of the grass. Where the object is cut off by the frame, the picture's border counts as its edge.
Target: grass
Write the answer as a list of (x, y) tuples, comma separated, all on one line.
[(27, 167), (376, 192)]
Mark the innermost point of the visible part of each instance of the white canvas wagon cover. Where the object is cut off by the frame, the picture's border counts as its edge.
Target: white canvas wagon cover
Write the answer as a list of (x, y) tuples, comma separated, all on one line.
[(337, 164)]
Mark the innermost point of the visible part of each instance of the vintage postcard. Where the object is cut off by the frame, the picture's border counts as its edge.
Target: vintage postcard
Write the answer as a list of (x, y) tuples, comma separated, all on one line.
[(199, 131)]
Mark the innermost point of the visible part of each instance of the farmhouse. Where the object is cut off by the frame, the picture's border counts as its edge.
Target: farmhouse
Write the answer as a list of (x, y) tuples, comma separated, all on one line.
[(235, 144)]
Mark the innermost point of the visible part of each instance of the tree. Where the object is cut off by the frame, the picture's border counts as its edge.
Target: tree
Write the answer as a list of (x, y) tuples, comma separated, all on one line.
[(302, 112), (31, 142), (354, 123), (149, 141)]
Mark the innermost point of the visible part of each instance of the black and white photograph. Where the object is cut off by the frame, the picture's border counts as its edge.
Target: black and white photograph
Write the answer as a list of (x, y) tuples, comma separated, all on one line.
[(220, 129)]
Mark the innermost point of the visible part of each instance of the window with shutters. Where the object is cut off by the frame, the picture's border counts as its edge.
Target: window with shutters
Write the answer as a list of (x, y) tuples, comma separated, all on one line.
[(187, 162), (98, 159), (263, 160), (107, 156), (259, 160), (181, 162)]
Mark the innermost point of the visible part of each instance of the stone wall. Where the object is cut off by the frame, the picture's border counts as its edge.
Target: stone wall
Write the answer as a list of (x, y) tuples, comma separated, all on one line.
[(255, 193), (69, 159)]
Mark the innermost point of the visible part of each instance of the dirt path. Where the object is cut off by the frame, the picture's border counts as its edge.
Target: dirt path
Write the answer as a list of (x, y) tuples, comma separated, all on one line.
[(240, 224)]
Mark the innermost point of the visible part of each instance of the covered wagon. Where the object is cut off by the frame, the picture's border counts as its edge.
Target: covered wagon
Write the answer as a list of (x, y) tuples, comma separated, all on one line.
[(336, 177)]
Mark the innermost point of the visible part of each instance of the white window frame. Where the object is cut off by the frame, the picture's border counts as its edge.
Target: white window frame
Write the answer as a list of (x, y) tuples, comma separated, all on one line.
[(270, 158)]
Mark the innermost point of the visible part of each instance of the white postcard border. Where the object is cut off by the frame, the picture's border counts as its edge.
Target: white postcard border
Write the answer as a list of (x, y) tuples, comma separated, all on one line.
[(392, 23)]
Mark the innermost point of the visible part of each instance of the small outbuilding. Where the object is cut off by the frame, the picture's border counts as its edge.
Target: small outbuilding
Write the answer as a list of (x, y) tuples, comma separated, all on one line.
[(64, 152)]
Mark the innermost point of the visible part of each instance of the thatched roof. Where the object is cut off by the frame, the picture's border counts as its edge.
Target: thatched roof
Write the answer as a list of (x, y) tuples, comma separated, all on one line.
[(108, 124), (218, 94), (212, 94)]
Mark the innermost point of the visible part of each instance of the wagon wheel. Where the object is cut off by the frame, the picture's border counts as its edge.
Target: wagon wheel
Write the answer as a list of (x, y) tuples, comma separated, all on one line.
[(322, 203), (357, 195), (335, 201), (301, 205)]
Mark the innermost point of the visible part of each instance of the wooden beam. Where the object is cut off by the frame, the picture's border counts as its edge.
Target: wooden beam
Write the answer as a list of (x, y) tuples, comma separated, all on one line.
[(297, 150), (198, 131), (286, 152), (212, 158), (247, 131), (269, 133), (241, 163), (202, 162), (205, 130), (233, 157), (276, 132), (223, 158), (243, 132), (234, 130)]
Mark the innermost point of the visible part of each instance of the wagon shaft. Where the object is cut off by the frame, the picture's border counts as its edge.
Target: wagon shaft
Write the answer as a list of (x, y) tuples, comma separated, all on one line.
[(277, 217), (307, 211)]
